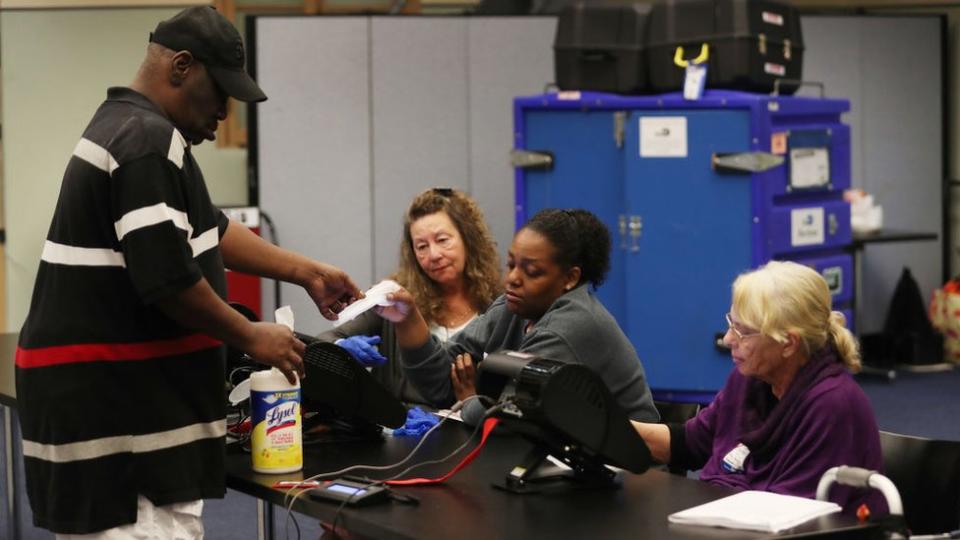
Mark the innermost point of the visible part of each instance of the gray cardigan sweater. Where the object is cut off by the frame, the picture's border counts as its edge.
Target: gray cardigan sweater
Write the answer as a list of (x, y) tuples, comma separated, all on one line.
[(576, 328)]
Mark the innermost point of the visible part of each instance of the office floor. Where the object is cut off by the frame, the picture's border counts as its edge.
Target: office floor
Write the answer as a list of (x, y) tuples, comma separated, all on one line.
[(921, 404)]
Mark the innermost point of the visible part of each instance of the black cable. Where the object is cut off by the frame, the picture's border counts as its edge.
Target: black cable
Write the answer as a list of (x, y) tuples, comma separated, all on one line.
[(289, 499), (489, 412), (296, 525), (336, 517)]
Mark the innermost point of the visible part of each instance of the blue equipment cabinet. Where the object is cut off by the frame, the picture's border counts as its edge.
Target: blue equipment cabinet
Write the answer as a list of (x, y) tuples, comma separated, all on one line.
[(666, 176)]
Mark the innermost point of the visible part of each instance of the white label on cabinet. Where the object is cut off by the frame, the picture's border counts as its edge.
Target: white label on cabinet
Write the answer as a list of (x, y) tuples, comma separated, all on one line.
[(806, 226), (663, 136), (772, 68), (809, 167), (770, 17), (834, 278)]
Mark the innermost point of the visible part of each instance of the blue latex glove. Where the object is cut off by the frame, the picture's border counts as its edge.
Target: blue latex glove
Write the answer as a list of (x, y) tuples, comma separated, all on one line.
[(363, 349), (418, 423)]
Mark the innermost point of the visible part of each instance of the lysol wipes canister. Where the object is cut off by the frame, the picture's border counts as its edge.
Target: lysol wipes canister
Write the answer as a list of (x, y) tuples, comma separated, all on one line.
[(277, 439)]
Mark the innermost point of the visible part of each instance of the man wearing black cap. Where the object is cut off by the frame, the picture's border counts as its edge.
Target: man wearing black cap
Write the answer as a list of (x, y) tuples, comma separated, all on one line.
[(120, 374)]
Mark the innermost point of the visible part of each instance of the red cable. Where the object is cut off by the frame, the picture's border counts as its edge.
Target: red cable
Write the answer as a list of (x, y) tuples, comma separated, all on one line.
[(488, 426)]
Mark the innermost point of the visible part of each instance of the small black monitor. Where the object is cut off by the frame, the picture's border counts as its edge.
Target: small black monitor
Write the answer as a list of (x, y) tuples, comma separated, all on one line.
[(336, 382), (568, 412), (337, 392)]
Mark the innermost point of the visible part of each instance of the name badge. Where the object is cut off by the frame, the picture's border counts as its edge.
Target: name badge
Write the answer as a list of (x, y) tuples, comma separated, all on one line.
[(733, 461)]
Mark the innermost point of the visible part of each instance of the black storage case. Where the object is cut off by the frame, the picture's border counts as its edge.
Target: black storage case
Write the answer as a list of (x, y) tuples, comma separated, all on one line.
[(599, 46), (751, 43)]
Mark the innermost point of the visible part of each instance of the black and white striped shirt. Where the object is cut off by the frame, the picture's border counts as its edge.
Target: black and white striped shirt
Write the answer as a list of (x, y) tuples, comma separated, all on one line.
[(115, 398)]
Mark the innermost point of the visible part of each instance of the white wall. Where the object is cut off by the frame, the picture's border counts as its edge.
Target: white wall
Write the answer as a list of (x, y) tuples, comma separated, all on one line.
[(57, 65)]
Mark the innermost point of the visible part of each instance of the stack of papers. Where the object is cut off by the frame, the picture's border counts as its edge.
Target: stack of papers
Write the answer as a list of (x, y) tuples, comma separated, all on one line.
[(755, 511)]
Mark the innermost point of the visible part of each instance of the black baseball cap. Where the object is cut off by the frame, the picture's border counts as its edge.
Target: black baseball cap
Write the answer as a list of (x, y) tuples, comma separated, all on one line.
[(213, 40)]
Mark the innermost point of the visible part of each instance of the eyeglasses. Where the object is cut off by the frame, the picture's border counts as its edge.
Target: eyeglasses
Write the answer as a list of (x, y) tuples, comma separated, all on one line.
[(443, 191), (736, 331)]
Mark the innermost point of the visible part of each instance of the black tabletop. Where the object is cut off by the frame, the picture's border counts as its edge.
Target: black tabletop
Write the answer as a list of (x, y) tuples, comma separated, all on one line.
[(467, 506)]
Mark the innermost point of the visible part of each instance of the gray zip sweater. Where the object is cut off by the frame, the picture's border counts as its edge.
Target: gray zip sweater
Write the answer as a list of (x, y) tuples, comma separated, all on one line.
[(576, 328)]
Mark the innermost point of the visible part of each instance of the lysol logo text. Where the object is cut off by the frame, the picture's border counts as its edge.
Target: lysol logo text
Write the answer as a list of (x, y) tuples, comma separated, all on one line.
[(281, 416)]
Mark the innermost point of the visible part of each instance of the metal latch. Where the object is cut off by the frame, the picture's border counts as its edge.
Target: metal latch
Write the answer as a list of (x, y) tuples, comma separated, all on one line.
[(619, 125), (745, 162), (631, 226), (531, 159)]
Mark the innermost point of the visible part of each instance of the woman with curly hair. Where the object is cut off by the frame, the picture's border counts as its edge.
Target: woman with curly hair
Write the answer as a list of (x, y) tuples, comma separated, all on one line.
[(548, 310), (449, 262)]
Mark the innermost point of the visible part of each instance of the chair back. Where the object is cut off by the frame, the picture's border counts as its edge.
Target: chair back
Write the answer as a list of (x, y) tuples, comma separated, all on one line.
[(672, 412), (927, 475)]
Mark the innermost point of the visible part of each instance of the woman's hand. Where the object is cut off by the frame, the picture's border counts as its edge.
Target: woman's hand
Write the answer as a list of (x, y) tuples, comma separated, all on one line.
[(363, 349), (412, 331), (657, 437), (463, 377), (402, 305)]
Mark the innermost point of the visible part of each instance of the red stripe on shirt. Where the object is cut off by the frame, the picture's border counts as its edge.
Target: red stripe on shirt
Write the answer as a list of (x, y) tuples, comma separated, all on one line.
[(112, 352)]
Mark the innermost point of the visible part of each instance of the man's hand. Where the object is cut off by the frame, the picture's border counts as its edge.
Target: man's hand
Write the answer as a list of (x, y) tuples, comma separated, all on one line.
[(331, 289), (463, 377), (275, 345)]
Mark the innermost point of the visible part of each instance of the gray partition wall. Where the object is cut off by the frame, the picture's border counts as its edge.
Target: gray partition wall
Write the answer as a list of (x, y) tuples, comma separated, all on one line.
[(314, 144), (365, 112), (890, 68)]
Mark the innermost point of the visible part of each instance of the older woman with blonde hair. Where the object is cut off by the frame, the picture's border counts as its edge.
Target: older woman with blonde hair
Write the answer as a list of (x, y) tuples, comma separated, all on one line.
[(791, 409)]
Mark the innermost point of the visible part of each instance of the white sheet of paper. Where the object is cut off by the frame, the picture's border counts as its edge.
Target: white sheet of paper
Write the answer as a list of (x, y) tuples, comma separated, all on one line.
[(375, 296), (755, 511)]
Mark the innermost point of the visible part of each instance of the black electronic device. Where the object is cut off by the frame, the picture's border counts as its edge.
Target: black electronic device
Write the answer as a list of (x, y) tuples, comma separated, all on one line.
[(351, 491), (568, 412), (335, 380), (340, 398)]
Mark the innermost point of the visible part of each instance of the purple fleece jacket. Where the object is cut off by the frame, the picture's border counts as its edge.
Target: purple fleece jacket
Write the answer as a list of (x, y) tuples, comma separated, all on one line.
[(832, 423)]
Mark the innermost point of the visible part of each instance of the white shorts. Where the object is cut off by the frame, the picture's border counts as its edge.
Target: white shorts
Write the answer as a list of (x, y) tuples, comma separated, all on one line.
[(180, 521)]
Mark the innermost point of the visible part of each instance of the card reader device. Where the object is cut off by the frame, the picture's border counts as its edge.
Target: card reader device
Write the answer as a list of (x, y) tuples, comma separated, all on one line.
[(353, 492)]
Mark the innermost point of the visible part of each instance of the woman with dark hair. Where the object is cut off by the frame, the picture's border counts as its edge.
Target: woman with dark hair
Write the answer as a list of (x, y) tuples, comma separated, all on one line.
[(548, 310), (449, 262)]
